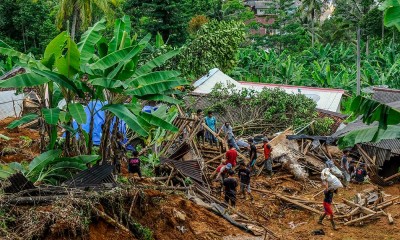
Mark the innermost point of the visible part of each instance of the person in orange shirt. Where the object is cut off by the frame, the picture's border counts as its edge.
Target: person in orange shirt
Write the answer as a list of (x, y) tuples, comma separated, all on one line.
[(267, 156)]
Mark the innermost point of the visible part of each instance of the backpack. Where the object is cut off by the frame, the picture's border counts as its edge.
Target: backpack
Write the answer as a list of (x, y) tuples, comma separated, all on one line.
[(134, 161)]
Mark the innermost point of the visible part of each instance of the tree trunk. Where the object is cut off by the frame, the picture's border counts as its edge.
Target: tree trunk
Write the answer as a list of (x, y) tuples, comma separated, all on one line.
[(383, 28), (312, 28), (74, 21), (104, 142), (358, 62), (91, 127)]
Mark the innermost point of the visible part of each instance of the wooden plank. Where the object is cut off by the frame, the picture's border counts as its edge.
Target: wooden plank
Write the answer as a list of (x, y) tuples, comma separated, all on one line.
[(363, 218), (362, 208), (287, 199), (390, 218), (397, 175), (217, 157)]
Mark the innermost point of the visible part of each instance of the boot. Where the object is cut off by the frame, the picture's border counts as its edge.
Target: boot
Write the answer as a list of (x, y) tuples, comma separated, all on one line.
[(321, 218), (333, 225)]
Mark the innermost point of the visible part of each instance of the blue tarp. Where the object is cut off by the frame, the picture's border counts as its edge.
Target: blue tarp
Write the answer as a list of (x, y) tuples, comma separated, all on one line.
[(99, 118)]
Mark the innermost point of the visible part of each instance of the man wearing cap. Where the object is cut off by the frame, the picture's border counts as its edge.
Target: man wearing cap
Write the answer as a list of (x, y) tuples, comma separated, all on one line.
[(267, 156)]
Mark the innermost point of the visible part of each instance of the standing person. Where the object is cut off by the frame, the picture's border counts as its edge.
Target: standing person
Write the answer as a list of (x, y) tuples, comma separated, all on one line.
[(328, 198), (119, 151), (252, 153), (230, 185), (211, 122), (267, 156), (360, 174), (199, 119), (244, 176), (344, 165), (229, 136), (134, 164), (231, 155)]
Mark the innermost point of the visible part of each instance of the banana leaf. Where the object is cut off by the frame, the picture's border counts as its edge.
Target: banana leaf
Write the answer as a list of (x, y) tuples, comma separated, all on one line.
[(25, 119), (156, 88), (24, 80), (130, 119), (156, 121), (156, 62), (51, 115), (111, 59), (89, 40), (369, 134), (41, 161), (77, 112)]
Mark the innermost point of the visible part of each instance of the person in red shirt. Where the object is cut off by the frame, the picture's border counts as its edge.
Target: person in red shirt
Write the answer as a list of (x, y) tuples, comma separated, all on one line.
[(231, 155), (267, 156)]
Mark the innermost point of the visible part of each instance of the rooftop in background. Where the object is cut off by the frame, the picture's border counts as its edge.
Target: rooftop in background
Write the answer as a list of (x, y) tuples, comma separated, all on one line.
[(326, 98), (386, 95)]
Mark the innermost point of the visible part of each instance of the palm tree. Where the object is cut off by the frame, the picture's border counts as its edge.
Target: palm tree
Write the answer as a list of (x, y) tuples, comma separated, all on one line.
[(82, 9), (312, 8)]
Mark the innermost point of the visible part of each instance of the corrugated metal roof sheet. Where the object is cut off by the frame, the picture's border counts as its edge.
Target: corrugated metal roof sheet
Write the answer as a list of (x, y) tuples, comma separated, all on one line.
[(188, 168), (386, 95), (395, 105), (95, 175)]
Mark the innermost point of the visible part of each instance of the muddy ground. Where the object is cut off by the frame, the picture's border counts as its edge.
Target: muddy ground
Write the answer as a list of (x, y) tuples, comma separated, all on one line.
[(23, 144), (172, 216)]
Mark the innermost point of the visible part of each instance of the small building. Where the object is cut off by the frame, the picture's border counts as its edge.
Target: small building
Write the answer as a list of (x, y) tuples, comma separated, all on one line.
[(327, 99)]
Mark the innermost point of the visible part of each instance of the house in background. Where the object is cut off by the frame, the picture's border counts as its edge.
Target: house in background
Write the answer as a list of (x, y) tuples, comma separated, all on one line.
[(327, 99)]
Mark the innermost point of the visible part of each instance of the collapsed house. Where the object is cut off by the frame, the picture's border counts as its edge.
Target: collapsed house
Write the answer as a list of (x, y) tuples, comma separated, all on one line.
[(383, 155)]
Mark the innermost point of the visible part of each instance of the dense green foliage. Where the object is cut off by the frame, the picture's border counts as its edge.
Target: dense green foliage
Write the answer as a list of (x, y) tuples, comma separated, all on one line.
[(26, 25), (214, 45), (249, 110), (324, 66)]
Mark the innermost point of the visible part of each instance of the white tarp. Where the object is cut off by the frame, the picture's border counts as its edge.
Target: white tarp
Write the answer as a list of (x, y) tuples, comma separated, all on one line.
[(10, 104)]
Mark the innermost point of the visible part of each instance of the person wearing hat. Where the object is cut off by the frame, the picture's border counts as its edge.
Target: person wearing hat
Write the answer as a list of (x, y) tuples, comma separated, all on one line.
[(267, 156), (230, 185), (252, 153)]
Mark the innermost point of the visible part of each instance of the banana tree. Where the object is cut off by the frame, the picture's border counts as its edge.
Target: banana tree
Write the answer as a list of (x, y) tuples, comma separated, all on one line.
[(111, 71), (117, 71)]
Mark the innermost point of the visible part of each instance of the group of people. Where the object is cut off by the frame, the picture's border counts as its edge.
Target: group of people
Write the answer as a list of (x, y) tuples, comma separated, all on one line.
[(352, 171), (225, 172)]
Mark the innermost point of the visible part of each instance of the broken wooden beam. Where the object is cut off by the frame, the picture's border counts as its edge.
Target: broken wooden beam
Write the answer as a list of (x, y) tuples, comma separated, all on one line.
[(362, 208), (394, 176), (287, 199), (363, 218)]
